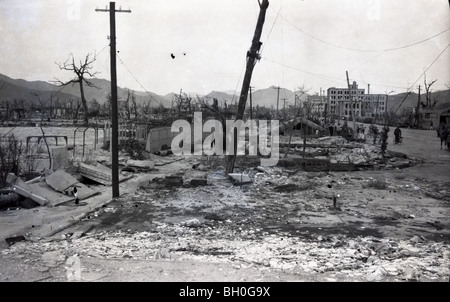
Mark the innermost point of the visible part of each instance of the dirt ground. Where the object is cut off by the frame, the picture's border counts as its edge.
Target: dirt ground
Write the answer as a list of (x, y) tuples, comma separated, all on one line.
[(389, 225)]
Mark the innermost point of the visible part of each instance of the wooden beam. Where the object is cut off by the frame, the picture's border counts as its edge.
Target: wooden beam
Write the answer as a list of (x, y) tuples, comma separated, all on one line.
[(24, 189)]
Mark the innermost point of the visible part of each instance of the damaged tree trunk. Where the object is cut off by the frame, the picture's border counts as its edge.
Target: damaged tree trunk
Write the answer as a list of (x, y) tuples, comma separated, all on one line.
[(252, 56)]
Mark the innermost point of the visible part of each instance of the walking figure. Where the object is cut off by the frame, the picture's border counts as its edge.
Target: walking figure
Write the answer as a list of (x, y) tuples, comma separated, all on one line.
[(443, 135), (398, 135), (77, 201), (383, 139), (375, 134)]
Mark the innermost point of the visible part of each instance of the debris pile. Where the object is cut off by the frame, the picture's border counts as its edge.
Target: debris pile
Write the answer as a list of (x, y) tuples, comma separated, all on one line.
[(364, 258), (53, 189), (336, 154)]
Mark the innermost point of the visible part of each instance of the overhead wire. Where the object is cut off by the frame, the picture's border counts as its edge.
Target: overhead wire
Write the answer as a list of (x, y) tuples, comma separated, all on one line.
[(140, 84), (269, 74), (434, 61), (301, 70), (360, 49), (380, 51), (238, 81)]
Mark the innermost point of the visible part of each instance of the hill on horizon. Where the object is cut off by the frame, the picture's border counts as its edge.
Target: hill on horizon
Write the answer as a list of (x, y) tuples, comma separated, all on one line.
[(11, 89)]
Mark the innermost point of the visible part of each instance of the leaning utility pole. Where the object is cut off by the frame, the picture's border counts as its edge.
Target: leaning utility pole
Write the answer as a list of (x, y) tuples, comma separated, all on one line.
[(251, 105), (351, 104), (114, 119), (252, 56)]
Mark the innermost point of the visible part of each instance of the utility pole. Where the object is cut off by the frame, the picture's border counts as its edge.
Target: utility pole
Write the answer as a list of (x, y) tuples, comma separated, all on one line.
[(386, 112), (284, 107), (351, 105), (376, 108), (114, 119), (417, 109), (251, 105), (278, 98), (252, 56), (295, 100)]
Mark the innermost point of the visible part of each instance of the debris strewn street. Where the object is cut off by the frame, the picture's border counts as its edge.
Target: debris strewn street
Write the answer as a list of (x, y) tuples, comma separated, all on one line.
[(282, 223)]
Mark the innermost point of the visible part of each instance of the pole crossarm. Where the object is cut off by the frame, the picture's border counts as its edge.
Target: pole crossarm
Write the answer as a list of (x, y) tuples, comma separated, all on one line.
[(117, 10)]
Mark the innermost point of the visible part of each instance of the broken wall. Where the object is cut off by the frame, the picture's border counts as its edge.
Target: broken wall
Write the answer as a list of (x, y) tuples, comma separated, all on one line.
[(159, 137)]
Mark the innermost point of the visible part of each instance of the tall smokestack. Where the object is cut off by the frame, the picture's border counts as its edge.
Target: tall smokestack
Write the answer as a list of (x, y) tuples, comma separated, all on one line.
[(368, 88)]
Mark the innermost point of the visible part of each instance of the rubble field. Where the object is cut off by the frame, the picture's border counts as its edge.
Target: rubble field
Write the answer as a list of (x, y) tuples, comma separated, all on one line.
[(365, 219)]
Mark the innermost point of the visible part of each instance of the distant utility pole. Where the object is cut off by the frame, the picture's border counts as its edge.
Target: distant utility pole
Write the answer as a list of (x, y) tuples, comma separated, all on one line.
[(251, 105), (351, 104), (252, 56), (377, 107), (284, 107), (278, 98), (114, 119), (417, 109)]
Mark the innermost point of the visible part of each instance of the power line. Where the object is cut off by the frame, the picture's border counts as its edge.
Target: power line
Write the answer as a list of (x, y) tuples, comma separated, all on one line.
[(126, 67), (422, 75), (359, 49), (102, 50), (270, 31), (298, 69), (239, 80)]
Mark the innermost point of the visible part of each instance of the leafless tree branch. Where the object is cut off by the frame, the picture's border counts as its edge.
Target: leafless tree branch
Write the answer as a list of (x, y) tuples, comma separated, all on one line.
[(81, 71)]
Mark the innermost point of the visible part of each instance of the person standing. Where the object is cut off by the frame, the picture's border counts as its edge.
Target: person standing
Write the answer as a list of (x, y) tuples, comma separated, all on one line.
[(397, 134), (375, 134), (330, 128), (384, 139)]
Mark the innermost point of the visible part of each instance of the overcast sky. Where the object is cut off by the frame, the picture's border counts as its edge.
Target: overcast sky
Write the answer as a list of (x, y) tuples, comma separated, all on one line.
[(388, 44)]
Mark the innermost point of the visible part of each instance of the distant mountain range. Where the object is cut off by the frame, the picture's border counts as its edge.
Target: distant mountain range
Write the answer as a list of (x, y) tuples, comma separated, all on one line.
[(30, 91), (21, 89)]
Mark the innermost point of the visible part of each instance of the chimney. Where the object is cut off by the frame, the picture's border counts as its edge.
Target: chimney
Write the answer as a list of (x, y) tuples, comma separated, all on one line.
[(368, 88)]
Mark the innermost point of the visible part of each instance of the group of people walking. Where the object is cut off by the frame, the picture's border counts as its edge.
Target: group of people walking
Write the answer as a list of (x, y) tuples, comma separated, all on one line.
[(380, 135), (372, 132)]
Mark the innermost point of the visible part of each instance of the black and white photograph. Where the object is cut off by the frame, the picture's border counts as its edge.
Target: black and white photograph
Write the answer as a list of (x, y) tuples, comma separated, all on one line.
[(225, 147)]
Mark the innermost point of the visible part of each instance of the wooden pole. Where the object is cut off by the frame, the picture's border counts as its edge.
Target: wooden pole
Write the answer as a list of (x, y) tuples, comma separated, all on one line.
[(252, 56), (278, 99), (351, 105), (114, 115), (114, 110), (251, 105), (418, 109)]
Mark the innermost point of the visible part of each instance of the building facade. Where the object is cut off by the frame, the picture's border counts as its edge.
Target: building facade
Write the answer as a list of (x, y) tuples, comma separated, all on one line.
[(317, 104), (346, 102)]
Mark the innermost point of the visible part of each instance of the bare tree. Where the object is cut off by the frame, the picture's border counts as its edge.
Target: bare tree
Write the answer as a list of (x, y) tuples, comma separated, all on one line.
[(429, 102), (130, 103), (76, 111), (18, 106), (41, 103), (52, 105), (179, 102), (146, 107), (107, 104), (81, 70), (299, 93), (135, 106), (215, 110)]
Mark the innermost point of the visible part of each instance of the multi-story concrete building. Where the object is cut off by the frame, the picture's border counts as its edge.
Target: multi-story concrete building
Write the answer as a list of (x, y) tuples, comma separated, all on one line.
[(374, 105), (317, 104), (341, 102)]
